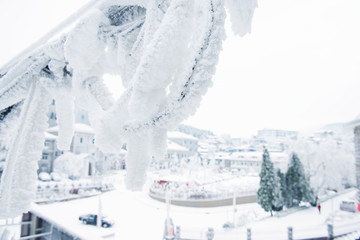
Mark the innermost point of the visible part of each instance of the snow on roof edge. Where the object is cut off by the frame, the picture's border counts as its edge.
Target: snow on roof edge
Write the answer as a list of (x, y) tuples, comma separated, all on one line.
[(78, 127), (179, 135)]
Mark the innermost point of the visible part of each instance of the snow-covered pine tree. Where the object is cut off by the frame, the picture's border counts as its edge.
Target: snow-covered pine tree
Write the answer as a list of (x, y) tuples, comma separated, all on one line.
[(298, 187), (269, 193), (283, 192)]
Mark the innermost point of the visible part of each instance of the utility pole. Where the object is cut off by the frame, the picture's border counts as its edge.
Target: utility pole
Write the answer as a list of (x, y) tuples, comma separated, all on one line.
[(100, 158), (169, 225), (234, 208)]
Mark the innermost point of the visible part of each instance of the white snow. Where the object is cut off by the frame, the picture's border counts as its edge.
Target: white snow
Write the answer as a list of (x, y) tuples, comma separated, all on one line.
[(137, 216), (137, 161), (145, 106), (49, 136), (180, 135), (166, 62), (78, 128), (18, 184), (72, 165), (328, 164), (241, 14), (171, 146)]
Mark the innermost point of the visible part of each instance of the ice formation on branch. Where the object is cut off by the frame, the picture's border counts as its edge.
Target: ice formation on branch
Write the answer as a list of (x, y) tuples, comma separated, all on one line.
[(165, 51)]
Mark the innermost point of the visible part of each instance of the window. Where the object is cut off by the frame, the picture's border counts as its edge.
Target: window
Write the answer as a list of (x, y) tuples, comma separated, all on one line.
[(81, 140), (44, 156)]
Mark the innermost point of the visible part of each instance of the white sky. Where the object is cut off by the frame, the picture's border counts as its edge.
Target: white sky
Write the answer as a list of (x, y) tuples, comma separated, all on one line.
[(299, 68)]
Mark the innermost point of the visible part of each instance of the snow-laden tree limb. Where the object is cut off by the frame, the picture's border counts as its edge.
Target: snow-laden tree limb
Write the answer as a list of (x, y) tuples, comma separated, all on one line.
[(165, 52), (18, 183)]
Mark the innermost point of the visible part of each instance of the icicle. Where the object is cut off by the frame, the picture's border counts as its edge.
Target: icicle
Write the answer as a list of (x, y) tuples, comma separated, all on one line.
[(137, 161), (241, 14), (18, 184), (108, 137), (158, 143), (60, 90), (64, 105)]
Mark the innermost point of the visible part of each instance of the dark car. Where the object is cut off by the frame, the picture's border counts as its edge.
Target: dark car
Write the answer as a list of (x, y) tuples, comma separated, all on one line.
[(92, 219)]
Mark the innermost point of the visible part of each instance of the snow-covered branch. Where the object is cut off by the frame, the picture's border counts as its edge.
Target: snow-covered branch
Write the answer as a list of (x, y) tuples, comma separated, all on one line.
[(165, 51), (18, 183)]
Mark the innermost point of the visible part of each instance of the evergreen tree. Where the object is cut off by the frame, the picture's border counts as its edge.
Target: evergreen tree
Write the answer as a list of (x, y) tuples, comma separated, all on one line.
[(297, 185), (269, 193), (283, 188)]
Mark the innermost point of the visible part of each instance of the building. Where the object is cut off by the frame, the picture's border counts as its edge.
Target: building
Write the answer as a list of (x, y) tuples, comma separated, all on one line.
[(355, 126), (49, 154), (36, 225), (276, 134), (83, 140), (175, 150), (274, 139), (180, 145), (184, 140), (175, 153), (250, 161)]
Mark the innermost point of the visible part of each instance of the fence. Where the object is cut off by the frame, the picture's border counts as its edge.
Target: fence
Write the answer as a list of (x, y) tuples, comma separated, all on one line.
[(194, 195), (189, 199), (329, 232), (59, 191)]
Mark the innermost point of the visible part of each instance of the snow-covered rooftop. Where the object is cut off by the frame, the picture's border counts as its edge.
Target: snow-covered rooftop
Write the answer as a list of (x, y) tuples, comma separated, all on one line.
[(78, 128), (171, 146), (180, 135), (49, 136), (257, 156), (137, 216)]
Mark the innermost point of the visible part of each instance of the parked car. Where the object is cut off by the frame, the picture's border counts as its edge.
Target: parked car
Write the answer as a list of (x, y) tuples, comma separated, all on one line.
[(349, 206), (92, 220)]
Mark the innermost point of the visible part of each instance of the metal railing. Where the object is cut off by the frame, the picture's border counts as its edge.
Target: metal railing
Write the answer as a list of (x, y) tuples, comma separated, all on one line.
[(195, 195), (329, 232), (31, 236)]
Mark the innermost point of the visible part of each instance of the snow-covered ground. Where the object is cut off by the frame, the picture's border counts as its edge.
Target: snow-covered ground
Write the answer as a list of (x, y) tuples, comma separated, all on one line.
[(309, 222), (137, 216)]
